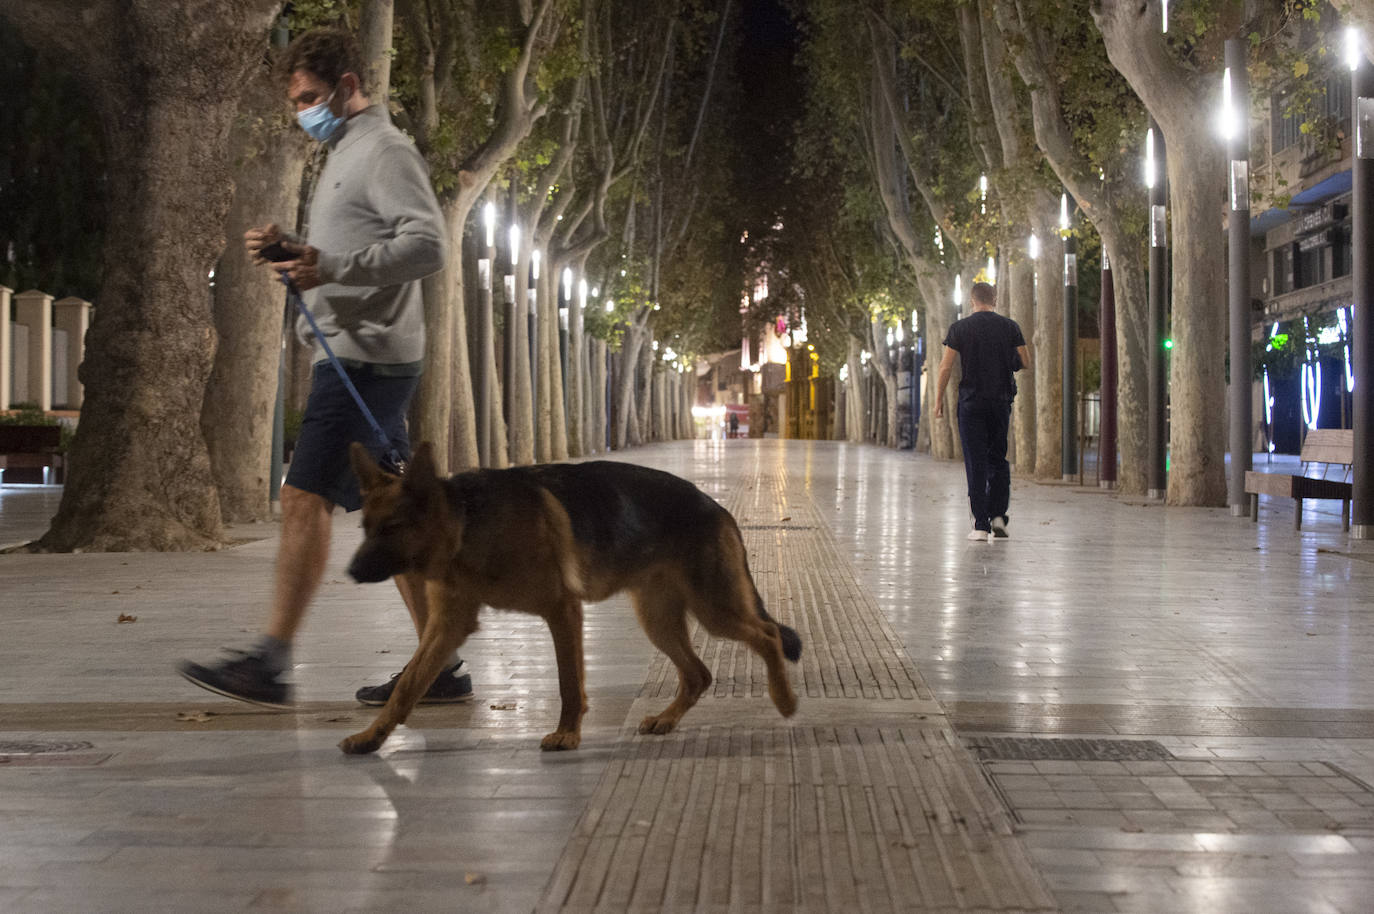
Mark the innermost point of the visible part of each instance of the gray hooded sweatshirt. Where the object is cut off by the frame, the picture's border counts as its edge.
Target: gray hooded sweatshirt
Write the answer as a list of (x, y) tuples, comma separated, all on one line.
[(379, 231)]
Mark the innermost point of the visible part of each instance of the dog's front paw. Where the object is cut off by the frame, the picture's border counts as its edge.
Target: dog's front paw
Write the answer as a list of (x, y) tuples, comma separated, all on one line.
[(657, 725), (559, 740), (362, 743)]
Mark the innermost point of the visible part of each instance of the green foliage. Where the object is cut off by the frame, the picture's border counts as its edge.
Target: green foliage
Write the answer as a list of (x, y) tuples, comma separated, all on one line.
[(30, 414), (26, 414)]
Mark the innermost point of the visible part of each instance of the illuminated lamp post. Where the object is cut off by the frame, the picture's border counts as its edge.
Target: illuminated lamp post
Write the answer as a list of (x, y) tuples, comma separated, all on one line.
[(511, 310), (1235, 126), (484, 336), (1362, 306), (1068, 461), (1155, 471), (532, 324), (563, 314)]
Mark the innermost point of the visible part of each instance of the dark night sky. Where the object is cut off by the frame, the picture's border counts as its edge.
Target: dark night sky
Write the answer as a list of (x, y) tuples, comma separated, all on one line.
[(772, 97)]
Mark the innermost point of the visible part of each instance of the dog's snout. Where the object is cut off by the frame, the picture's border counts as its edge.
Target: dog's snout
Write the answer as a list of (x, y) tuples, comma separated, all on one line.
[(368, 567)]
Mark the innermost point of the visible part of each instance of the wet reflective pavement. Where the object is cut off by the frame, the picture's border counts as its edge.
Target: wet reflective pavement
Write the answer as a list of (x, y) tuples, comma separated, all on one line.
[(919, 773)]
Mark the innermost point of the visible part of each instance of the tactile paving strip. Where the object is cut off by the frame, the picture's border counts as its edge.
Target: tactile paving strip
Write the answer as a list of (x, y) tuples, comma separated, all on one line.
[(818, 819)]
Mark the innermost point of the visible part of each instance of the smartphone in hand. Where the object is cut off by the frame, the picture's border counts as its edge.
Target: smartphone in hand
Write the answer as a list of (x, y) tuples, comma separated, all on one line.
[(276, 253)]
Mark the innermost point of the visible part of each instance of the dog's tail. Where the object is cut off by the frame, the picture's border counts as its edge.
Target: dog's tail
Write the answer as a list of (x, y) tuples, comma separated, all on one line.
[(791, 641)]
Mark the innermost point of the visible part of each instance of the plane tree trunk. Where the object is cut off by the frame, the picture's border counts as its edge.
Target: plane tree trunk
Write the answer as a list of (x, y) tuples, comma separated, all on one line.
[(165, 82)]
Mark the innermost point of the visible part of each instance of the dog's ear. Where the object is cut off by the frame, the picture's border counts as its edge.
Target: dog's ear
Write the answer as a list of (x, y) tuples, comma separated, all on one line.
[(420, 472), (370, 476), (422, 461)]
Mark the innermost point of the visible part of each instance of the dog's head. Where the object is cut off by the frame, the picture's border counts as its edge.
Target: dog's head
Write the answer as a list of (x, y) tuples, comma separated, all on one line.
[(407, 524)]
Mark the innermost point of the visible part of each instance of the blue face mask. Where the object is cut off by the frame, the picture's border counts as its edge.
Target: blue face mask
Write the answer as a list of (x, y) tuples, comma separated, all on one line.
[(319, 121)]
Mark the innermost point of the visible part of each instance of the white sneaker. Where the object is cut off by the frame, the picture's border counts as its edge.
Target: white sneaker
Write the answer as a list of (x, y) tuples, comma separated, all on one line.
[(979, 536)]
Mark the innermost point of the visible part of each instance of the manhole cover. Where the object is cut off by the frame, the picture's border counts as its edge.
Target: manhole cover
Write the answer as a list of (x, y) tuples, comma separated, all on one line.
[(33, 747), (1016, 748)]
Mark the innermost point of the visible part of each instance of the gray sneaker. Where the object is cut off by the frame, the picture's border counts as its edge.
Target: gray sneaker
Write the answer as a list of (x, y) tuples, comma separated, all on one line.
[(242, 676), (451, 686), (999, 527)]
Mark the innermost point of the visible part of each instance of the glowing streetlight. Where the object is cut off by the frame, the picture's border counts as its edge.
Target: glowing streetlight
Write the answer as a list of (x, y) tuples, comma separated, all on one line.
[(982, 193), (535, 256), (1165, 4), (1068, 404), (1228, 111), (489, 220), (1352, 48), (958, 290), (582, 293), (1033, 247), (1150, 158), (992, 270), (567, 283), (514, 236)]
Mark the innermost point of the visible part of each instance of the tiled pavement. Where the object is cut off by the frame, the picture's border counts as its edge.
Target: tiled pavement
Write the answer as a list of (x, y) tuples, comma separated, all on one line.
[(1239, 649)]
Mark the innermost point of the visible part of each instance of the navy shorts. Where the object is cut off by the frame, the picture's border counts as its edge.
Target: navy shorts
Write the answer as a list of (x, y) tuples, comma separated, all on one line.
[(333, 421)]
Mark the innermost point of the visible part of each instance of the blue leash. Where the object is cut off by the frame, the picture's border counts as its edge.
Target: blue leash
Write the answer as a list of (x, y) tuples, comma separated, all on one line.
[(391, 455)]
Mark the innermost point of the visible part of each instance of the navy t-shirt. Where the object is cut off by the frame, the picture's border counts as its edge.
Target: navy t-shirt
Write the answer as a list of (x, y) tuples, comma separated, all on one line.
[(987, 343)]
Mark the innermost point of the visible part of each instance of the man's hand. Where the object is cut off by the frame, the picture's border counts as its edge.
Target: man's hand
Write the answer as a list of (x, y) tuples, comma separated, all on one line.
[(304, 270), (940, 408), (255, 239)]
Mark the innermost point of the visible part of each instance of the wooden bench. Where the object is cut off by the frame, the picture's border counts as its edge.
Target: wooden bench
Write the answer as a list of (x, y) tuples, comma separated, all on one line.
[(26, 449), (1325, 446)]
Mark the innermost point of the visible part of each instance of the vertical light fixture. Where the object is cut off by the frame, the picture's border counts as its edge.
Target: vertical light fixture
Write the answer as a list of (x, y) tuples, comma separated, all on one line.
[(1235, 127)]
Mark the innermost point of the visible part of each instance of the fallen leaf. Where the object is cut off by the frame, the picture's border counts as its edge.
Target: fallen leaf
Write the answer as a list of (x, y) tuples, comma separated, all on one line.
[(195, 717), (785, 519), (125, 617), (474, 878), (338, 720), (504, 706)]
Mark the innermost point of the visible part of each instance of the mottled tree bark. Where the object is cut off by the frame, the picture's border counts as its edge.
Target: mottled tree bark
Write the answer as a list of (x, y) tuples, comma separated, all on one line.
[(268, 153), (165, 83), (1178, 97)]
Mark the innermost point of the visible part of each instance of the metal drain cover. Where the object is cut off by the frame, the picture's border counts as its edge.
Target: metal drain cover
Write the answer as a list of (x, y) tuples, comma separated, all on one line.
[(1016, 748), (33, 747)]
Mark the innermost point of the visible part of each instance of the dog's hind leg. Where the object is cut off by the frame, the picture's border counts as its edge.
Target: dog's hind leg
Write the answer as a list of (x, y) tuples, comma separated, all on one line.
[(451, 620), (662, 612), (763, 638), (565, 624)]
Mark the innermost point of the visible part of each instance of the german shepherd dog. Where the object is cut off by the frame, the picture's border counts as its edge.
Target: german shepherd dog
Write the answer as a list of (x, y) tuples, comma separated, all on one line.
[(540, 540)]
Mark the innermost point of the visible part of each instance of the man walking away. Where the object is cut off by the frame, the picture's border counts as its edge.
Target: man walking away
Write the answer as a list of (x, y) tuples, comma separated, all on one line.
[(991, 348)]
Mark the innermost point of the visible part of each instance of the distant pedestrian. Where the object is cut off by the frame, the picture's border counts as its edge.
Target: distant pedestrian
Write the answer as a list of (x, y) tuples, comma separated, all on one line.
[(734, 426), (990, 348)]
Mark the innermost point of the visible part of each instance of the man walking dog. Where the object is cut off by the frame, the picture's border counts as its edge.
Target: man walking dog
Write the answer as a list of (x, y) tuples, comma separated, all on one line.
[(375, 230), (990, 348)]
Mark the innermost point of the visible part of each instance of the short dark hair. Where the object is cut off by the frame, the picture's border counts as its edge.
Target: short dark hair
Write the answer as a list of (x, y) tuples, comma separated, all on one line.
[(328, 54), (984, 293)]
